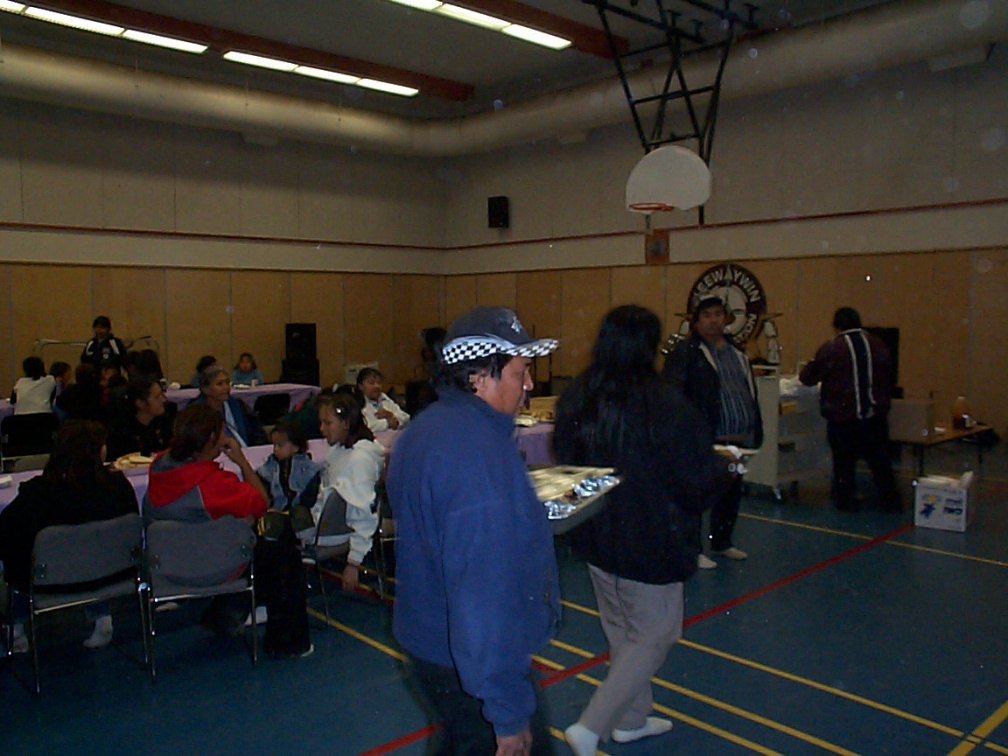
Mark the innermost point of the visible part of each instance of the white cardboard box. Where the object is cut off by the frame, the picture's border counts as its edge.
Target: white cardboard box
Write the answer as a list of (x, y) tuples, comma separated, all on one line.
[(944, 503)]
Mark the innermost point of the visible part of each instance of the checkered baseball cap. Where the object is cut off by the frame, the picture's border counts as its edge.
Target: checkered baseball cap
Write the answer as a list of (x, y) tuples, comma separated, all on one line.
[(491, 330)]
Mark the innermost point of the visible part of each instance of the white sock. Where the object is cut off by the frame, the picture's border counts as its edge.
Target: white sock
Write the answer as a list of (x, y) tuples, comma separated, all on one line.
[(652, 726), (581, 740), (101, 636)]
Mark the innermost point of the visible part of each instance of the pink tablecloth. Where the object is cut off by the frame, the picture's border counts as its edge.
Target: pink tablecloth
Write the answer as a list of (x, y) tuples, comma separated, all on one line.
[(298, 393), (534, 441), (6, 408)]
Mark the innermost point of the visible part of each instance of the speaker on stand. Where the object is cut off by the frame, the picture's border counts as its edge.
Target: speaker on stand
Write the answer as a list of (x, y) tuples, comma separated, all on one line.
[(301, 364)]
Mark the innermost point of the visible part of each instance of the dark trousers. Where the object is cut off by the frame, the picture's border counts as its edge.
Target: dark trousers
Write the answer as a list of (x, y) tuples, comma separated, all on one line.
[(868, 439), (464, 731), (280, 587), (723, 515)]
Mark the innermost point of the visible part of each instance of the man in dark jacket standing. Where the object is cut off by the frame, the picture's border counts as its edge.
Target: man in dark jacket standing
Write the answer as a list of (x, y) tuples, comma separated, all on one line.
[(857, 379), (716, 376), (477, 591)]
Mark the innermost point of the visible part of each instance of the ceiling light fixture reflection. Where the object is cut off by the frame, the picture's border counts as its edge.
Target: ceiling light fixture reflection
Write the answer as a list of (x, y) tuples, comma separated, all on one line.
[(471, 17), (426, 5), (537, 37), (99, 27), (259, 61), (487, 21), (74, 22), (159, 41), (321, 73), (384, 86)]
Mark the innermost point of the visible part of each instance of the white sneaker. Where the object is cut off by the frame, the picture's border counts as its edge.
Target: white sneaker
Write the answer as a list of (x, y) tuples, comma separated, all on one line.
[(101, 636), (20, 644), (652, 726), (704, 562), (260, 617), (733, 553)]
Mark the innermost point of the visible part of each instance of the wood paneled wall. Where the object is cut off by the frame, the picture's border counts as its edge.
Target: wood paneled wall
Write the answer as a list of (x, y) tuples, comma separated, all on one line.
[(951, 309)]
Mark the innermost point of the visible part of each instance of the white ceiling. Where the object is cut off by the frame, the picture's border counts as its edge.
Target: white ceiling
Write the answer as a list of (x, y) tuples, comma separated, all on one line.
[(502, 70)]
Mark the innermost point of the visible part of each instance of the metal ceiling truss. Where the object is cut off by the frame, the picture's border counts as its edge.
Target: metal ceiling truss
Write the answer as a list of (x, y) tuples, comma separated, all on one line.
[(673, 19)]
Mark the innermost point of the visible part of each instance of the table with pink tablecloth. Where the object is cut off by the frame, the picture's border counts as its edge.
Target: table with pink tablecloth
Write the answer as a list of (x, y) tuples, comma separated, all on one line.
[(535, 442), (298, 392), (6, 408)]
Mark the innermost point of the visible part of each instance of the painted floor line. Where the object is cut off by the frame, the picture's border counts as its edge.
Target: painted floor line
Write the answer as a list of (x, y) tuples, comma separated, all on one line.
[(981, 732), (823, 687), (714, 611)]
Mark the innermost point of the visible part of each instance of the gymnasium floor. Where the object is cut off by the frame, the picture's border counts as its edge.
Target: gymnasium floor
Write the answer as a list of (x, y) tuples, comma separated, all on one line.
[(843, 633)]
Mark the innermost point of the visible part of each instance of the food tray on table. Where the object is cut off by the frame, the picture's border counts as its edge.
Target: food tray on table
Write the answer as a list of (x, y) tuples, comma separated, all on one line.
[(572, 494), (133, 464)]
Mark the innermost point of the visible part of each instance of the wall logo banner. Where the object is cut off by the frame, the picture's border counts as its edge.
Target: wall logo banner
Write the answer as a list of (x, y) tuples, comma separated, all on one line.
[(741, 292)]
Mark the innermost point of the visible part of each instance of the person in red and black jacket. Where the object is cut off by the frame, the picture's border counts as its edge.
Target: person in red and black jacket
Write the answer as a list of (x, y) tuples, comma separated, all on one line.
[(856, 372), (188, 484)]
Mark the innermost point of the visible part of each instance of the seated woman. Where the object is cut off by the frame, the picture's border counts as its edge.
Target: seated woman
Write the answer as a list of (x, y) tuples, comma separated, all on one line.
[(74, 488), (204, 362), (239, 422), (142, 424), (83, 398), (188, 484), (352, 467), (33, 393), (289, 474), (246, 372), (380, 412)]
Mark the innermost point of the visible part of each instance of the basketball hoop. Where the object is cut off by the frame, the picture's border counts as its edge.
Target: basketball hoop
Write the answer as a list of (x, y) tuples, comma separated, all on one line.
[(669, 178)]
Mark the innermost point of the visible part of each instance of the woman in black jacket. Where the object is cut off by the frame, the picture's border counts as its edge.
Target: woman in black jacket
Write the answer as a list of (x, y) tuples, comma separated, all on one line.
[(74, 488), (642, 546)]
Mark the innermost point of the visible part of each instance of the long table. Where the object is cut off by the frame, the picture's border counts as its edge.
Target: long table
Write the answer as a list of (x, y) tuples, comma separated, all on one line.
[(534, 442), (298, 393)]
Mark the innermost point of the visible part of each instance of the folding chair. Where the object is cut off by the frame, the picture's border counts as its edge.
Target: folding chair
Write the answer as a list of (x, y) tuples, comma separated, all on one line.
[(21, 435), (330, 543), (31, 462), (77, 565), (384, 538), (186, 560)]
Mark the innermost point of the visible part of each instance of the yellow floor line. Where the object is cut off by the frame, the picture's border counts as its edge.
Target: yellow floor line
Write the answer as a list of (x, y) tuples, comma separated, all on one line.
[(992, 722), (805, 526), (861, 537), (824, 688), (995, 747), (359, 636), (572, 649), (580, 608), (967, 557)]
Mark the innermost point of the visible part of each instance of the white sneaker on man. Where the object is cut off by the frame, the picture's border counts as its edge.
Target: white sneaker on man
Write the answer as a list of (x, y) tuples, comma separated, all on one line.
[(704, 562), (260, 617), (733, 552)]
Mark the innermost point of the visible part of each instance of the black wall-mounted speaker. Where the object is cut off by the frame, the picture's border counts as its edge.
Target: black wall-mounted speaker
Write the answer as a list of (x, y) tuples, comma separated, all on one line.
[(498, 212), (300, 341)]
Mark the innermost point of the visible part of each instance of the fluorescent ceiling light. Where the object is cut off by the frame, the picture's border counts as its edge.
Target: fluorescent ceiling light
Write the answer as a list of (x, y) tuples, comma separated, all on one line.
[(258, 60), (471, 17), (75, 22), (321, 73), (384, 86), (156, 39), (427, 5), (537, 37), (7, 5)]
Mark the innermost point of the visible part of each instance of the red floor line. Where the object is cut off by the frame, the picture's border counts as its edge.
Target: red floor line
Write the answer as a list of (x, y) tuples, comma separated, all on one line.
[(405, 740), (575, 670), (796, 576)]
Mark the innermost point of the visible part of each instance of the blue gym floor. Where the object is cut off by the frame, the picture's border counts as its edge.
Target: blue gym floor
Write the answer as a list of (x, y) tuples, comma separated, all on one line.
[(843, 633)]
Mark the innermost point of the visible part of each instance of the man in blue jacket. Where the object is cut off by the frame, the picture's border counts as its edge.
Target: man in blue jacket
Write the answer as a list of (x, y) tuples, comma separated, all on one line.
[(476, 576)]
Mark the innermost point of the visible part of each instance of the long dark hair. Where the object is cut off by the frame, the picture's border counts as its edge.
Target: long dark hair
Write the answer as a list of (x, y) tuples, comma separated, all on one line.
[(138, 390), (76, 455), (193, 428), (347, 409), (616, 383)]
